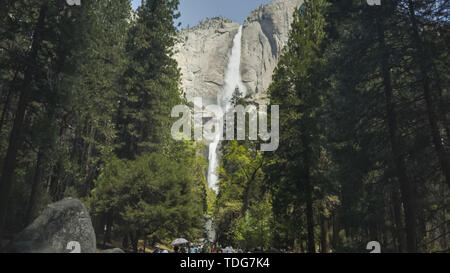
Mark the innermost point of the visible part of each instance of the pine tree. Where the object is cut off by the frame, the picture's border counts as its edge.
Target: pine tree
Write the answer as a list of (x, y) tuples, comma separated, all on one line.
[(298, 89), (49, 40), (150, 82)]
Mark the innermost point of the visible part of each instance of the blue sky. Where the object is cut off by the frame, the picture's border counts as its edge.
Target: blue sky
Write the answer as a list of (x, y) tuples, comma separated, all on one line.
[(193, 11)]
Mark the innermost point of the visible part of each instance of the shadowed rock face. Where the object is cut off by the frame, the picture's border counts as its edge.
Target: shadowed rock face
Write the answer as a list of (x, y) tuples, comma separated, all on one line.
[(265, 33), (60, 223), (204, 51)]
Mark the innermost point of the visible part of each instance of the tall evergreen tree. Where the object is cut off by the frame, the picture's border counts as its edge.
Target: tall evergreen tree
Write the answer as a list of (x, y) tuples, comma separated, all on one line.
[(299, 90), (150, 82)]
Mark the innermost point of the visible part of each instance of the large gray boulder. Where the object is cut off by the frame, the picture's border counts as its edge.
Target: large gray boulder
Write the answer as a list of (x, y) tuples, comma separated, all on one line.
[(63, 227)]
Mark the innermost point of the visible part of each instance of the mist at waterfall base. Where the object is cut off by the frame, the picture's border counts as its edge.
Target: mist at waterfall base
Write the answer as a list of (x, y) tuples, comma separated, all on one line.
[(231, 81)]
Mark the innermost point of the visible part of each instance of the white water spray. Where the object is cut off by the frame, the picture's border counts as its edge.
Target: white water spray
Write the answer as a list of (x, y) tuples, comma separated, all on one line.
[(232, 80)]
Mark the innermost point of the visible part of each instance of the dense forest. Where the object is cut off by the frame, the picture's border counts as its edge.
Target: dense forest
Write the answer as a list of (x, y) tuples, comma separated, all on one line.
[(364, 155)]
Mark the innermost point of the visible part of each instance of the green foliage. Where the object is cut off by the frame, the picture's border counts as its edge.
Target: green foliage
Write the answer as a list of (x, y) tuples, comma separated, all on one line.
[(151, 195), (301, 171), (98, 109), (254, 230), (240, 186), (150, 81), (353, 100), (85, 100)]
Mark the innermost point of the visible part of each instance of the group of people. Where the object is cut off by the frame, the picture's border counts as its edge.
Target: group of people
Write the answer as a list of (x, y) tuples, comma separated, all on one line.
[(211, 248), (159, 250), (205, 248)]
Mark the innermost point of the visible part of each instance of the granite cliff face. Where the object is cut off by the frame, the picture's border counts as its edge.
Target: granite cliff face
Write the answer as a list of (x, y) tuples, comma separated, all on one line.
[(204, 50), (265, 33), (202, 56)]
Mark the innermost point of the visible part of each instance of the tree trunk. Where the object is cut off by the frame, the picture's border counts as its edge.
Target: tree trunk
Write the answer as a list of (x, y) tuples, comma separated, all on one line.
[(309, 194), (445, 221), (109, 224), (88, 184), (310, 218), (248, 187), (134, 238), (308, 191), (335, 231), (325, 235), (16, 140), (405, 184), (397, 213), (54, 182), (35, 189), (444, 232), (302, 248), (7, 103), (125, 243)]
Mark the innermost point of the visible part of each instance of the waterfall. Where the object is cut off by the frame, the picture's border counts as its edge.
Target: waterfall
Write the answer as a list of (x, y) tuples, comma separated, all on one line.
[(232, 74), (232, 80)]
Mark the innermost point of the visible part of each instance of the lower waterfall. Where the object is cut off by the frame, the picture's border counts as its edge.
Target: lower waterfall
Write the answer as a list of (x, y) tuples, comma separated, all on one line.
[(232, 81)]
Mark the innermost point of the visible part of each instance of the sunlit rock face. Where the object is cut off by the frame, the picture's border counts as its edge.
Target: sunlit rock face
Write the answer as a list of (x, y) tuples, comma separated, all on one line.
[(202, 56), (203, 51)]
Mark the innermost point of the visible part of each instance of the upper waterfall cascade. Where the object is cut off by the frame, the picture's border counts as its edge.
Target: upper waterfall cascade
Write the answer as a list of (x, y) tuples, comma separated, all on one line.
[(231, 82)]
